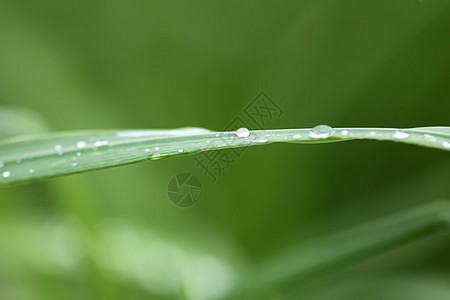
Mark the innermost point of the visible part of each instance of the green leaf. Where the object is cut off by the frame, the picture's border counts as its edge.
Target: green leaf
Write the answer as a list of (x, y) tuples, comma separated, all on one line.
[(48, 155), (313, 259)]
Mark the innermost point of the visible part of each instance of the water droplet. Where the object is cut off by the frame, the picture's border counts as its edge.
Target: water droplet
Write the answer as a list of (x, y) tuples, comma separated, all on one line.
[(321, 132), (430, 137), (100, 143), (58, 148), (147, 150), (242, 132), (400, 134), (372, 133), (31, 171), (78, 153), (81, 144), (74, 164), (217, 134), (446, 144), (6, 174), (208, 141), (297, 136), (156, 148), (344, 132), (261, 141), (180, 150)]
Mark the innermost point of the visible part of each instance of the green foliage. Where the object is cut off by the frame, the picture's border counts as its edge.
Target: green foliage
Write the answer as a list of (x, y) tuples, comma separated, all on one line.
[(51, 155)]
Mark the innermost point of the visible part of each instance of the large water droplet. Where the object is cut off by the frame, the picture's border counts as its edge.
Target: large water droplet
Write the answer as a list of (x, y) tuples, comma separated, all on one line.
[(242, 132), (321, 132), (400, 134), (6, 174)]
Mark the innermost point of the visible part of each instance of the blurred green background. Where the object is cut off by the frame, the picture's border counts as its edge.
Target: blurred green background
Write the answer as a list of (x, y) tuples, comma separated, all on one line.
[(113, 234)]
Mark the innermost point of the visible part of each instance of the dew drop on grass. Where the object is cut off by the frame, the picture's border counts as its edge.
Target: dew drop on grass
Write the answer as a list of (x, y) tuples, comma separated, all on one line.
[(242, 132), (6, 174), (78, 153), (147, 150), (321, 132), (400, 134), (430, 137), (344, 132), (74, 164), (58, 149), (31, 171), (446, 144), (157, 148), (81, 144), (297, 136), (180, 150), (100, 143)]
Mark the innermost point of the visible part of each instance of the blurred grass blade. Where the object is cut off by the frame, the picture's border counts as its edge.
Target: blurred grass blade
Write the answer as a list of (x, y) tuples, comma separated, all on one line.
[(48, 155), (305, 261)]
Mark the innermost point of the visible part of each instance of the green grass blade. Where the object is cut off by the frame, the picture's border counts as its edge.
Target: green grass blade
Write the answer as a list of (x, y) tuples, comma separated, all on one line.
[(48, 155), (306, 261)]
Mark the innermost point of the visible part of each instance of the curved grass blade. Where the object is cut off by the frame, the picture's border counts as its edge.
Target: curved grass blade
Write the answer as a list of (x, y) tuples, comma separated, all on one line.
[(309, 260), (48, 155)]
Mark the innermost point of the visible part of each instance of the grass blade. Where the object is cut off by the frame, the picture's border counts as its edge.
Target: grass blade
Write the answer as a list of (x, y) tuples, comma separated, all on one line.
[(48, 155), (308, 260)]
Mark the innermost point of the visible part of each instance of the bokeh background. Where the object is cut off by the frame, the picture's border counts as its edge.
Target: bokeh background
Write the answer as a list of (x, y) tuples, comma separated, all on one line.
[(113, 234)]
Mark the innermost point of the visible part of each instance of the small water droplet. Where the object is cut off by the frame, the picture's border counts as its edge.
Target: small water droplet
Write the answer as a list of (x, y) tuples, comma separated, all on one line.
[(156, 148), (372, 133), (344, 132), (78, 153), (261, 140), (321, 132), (400, 134), (430, 137), (31, 171), (100, 143), (180, 150), (58, 148), (242, 132), (147, 150), (297, 136), (446, 144), (81, 144), (217, 134), (74, 164), (6, 174)]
